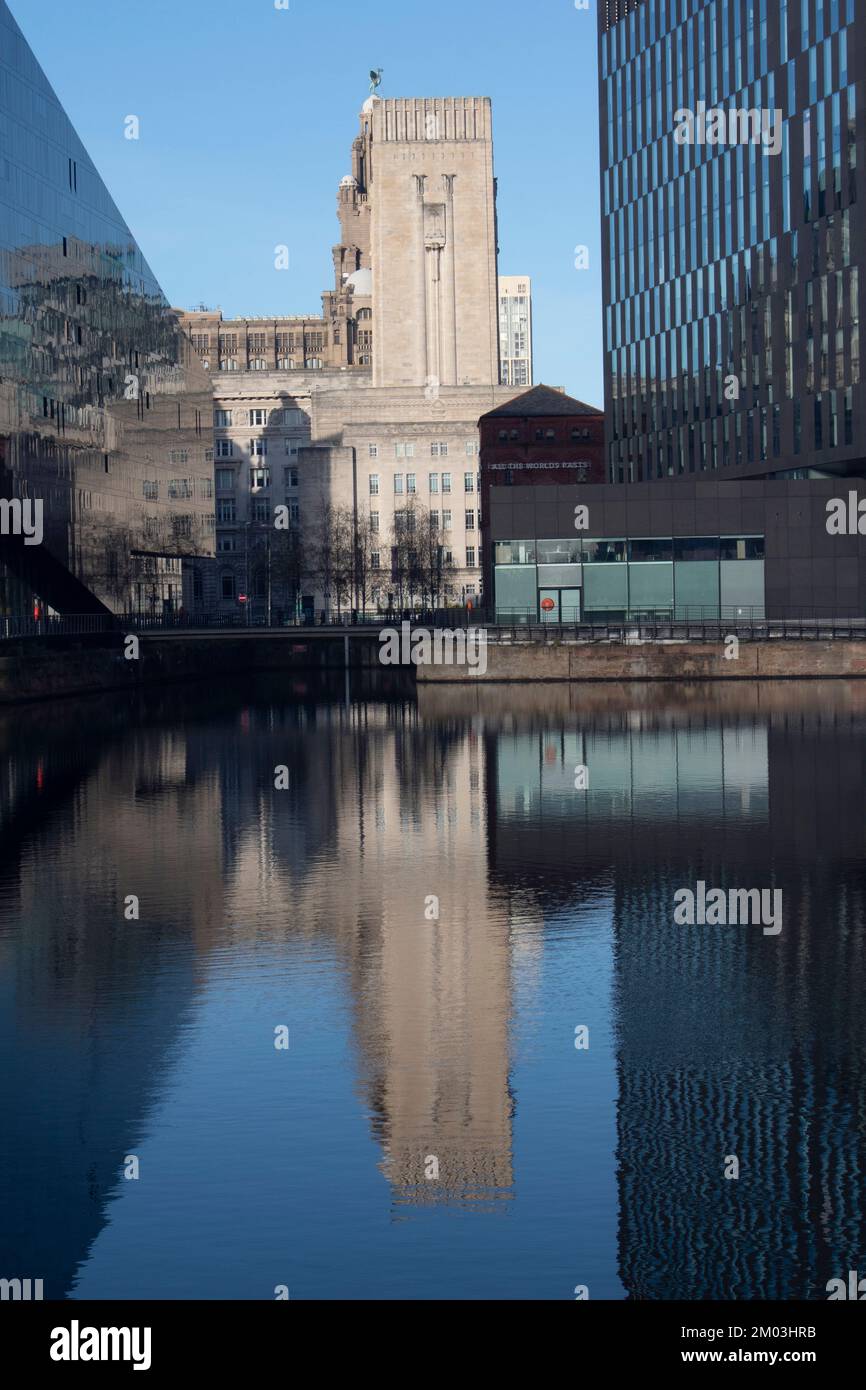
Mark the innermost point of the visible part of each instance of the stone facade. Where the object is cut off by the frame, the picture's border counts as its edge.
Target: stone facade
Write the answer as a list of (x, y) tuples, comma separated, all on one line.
[(433, 241), (368, 416)]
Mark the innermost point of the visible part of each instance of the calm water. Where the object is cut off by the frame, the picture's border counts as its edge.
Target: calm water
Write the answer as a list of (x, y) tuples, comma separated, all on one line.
[(418, 1045)]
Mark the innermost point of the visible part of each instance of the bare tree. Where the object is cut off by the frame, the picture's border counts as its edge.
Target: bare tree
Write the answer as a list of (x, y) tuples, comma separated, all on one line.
[(367, 545), (332, 555), (419, 567)]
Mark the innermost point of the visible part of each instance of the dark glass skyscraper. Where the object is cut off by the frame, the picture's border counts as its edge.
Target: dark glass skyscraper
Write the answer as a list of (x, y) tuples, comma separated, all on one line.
[(105, 412), (734, 244)]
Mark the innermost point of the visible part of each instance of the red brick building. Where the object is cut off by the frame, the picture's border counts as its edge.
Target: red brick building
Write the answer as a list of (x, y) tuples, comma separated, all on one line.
[(542, 437)]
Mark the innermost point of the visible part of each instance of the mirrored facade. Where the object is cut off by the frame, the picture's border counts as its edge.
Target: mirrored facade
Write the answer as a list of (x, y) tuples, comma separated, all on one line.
[(105, 411), (734, 249)]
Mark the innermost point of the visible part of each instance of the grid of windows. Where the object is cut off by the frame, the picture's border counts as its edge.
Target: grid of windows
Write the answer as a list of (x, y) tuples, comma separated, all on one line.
[(732, 289)]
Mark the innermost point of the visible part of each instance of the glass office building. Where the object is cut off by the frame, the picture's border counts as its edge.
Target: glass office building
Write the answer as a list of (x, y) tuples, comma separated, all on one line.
[(106, 416), (734, 246)]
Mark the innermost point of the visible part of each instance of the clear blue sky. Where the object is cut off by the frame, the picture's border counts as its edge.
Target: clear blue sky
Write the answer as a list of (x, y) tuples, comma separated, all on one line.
[(248, 113)]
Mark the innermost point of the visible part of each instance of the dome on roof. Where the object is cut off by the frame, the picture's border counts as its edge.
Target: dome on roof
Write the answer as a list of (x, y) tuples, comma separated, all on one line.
[(361, 283), (349, 181)]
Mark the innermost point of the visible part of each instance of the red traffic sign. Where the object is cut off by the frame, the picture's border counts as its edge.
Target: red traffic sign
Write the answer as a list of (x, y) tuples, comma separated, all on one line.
[(547, 605)]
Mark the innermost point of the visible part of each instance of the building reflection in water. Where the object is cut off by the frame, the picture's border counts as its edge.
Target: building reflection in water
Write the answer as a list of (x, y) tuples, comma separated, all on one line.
[(725, 1042), (728, 1043), (382, 814)]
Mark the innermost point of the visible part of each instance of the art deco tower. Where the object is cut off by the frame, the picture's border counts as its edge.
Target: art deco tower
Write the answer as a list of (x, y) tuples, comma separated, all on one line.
[(428, 165)]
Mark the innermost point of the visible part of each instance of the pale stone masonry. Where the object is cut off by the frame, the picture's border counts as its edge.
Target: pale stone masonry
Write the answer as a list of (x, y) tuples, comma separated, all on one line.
[(373, 407), (433, 241)]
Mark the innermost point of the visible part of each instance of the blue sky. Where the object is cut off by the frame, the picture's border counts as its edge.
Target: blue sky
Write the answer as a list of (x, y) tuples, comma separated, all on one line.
[(248, 113)]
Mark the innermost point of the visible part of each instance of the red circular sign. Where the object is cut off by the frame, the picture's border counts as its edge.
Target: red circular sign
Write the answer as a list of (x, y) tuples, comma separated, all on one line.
[(547, 605)]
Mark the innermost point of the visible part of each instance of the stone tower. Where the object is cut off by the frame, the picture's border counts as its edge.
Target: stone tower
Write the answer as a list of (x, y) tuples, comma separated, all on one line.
[(427, 167)]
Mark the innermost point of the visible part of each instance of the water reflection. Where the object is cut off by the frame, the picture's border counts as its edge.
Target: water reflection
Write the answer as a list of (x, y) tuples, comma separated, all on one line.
[(432, 1131)]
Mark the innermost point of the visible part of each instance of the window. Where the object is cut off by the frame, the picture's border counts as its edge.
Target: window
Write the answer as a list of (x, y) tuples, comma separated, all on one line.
[(434, 521), (404, 451), (313, 363), (433, 481), (410, 482), (227, 586), (225, 479), (224, 448), (470, 557), (438, 451), (374, 484), (374, 522), (259, 478), (470, 521), (205, 488), (151, 491), (374, 450), (225, 511), (294, 513), (742, 548), (446, 520), (226, 545), (258, 448), (446, 482), (179, 456), (471, 448), (398, 484), (261, 510), (222, 419), (258, 417), (286, 364), (290, 477), (468, 482), (258, 364), (228, 364), (289, 447), (180, 487), (375, 560)]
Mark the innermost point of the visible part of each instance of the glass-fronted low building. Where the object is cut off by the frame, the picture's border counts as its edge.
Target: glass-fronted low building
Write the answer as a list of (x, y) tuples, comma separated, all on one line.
[(689, 549), (105, 412), (596, 580)]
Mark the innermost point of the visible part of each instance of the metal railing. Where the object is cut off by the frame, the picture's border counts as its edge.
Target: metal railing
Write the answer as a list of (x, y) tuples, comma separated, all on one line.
[(518, 626), (652, 628)]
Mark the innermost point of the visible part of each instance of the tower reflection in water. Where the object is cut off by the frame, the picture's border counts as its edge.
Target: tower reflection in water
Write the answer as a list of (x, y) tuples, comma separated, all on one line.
[(708, 1042)]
